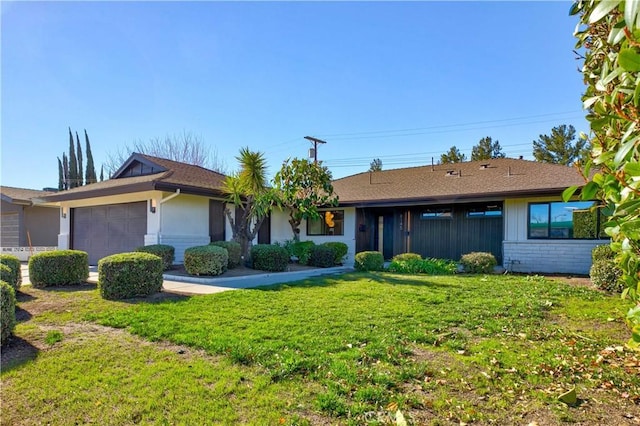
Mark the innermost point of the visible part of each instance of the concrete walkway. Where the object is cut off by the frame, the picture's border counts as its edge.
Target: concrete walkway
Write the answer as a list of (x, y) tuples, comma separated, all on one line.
[(200, 285)]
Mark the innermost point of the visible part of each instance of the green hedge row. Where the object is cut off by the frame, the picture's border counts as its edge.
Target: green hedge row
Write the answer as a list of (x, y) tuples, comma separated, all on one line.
[(206, 260), (234, 251), (126, 275), (59, 267), (267, 257), (11, 272), (165, 252), (7, 311)]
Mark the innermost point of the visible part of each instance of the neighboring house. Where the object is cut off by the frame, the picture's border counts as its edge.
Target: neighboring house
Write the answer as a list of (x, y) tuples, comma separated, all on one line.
[(26, 227), (149, 200), (509, 207)]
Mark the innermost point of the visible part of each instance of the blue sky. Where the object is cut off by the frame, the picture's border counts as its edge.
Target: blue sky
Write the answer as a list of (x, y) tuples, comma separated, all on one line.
[(398, 81)]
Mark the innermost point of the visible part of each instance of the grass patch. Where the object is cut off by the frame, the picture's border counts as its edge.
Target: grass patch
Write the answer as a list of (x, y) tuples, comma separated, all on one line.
[(349, 350)]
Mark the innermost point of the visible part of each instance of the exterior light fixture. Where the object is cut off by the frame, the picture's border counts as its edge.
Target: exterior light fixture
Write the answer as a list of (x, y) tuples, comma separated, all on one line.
[(63, 212), (152, 205)]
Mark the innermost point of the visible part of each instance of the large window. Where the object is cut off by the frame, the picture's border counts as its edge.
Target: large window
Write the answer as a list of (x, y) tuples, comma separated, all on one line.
[(330, 223), (437, 213), (491, 210), (572, 220)]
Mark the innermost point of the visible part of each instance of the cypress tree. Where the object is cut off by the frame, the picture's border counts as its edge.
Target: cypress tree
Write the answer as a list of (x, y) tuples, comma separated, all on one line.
[(60, 176), (101, 173), (65, 168), (90, 176), (79, 153), (73, 163)]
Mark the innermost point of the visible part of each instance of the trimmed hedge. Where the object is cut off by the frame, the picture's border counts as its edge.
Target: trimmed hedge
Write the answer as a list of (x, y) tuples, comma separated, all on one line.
[(602, 252), (126, 275), (369, 261), (323, 256), (403, 257), (59, 267), (423, 266), (478, 262), (206, 260), (267, 257), (606, 275), (339, 249), (14, 277), (165, 252), (234, 250), (7, 310)]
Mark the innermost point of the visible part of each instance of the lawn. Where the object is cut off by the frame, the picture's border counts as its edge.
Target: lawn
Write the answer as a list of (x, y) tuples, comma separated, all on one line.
[(350, 349)]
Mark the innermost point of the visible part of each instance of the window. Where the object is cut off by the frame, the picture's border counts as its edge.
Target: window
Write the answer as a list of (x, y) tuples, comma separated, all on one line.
[(492, 210), (572, 220), (330, 223), (439, 213)]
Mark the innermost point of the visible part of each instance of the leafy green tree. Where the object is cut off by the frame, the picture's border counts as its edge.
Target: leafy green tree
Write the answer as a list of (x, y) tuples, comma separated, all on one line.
[(452, 156), (609, 33), (559, 147), (301, 187), (376, 165), (79, 156), (90, 175), (486, 149), (247, 189)]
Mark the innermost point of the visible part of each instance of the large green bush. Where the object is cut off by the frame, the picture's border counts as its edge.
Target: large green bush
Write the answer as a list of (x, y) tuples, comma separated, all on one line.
[(267, 257), (369, 261), (59, 267), (602, 252), (165, 252), (7, 310), (339, 249), (423, 266), (302, 250), (206, 260), (403, 257), (606, 275), (323, 256), (14, 277), (126, 275), (478, 262), (233, 250), (7, 275)]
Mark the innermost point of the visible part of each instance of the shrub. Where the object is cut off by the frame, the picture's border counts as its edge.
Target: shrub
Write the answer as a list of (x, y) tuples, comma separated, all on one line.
[(234, 250), (267, 257), (423, 266), (602, 252), (478, 262), (339, 249), (369, 261), (322, 256), (7, 310), (59, 267), (405, 257), (7, 275), (126, 275), (206, 260), (302, 250), (14, 277), (165, 252), (606, 275)]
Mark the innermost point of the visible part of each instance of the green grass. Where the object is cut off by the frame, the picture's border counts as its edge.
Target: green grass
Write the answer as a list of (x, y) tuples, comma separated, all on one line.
[(346, 349)]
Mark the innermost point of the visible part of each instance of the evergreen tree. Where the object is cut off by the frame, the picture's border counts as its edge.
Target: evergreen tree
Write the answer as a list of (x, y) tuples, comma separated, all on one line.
[(101, 173), (486, 150), (60, 176), (375, 165), (558, 148), (65, 168), (73, 163), (79, 154), (90, 176), (453, 156)]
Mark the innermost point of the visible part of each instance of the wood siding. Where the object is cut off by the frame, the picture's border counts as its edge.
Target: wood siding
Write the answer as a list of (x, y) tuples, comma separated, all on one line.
[(216, 221)]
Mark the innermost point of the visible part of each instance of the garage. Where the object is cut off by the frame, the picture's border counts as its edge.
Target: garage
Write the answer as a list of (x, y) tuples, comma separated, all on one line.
[(105, 230)]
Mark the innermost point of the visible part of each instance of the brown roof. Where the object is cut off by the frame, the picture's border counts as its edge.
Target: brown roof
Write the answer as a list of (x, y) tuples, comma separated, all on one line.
[(164, 175), (21, 195), (496, 178)]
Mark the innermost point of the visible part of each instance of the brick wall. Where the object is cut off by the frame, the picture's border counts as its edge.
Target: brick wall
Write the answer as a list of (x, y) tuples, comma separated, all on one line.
[(562, 256)]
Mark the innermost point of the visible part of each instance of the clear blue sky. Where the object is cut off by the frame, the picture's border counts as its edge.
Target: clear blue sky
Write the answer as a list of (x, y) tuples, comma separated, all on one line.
[(398, 81)]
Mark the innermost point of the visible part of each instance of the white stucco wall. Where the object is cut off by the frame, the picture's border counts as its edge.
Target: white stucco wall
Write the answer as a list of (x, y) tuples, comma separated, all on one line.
[(184, 223), (535, 255)]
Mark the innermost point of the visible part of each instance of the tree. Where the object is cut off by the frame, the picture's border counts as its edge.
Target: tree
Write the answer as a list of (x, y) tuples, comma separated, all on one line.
[(558, 148), (185, 148), (65, 168), (73, 163), (301, 187), (453, 156), (609, 33), (79, 155), (90, 176), (101, 173), (486, 150), (247, 189), (60, 176), (376, 165)]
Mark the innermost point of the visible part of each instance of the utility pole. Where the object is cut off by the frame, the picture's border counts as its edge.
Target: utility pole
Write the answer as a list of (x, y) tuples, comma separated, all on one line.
[(315, 142)]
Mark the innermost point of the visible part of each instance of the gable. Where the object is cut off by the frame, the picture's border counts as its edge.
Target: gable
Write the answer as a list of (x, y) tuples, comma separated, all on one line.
[(138, 165)]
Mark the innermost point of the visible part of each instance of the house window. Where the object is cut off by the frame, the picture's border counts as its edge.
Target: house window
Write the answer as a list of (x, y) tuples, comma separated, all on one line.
[(572, 220), (438, 213), (492, 210), (330, 223)]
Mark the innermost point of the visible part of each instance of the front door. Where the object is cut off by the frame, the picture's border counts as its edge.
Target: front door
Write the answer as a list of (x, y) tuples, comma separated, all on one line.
[(384, 235)]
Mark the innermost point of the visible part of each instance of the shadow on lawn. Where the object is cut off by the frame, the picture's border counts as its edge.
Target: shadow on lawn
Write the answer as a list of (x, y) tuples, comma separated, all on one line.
[(16, 352)]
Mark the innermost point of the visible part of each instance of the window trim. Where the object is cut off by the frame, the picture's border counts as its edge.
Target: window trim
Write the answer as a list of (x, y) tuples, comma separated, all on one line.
[(481, 212), (598, 229), (439, 213), (322, 212)]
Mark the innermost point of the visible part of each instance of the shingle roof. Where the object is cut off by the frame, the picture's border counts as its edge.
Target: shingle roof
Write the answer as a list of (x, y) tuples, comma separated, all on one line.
[(172, 175), (459, 181), (21, 195)]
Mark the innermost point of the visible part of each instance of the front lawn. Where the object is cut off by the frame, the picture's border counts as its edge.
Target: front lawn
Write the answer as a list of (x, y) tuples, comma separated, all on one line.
[(352, 349)]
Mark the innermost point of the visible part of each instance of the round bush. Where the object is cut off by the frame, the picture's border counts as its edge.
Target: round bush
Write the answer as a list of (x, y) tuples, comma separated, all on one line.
[(339, 249), (323, 256), (369, 261), (166, 252), (59, 267), (302, 250), (605, 274), (267, 257), (126, 275), (234, 251), (478, 262), (602, 252), (7, 310), (14, 277), (206, 260), (405, 257)]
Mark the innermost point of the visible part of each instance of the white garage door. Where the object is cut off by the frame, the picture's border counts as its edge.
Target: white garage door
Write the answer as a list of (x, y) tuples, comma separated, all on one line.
[(105, 230)]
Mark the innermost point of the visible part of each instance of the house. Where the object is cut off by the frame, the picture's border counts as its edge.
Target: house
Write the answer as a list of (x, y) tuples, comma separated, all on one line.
[(149, 200), (25, 227)]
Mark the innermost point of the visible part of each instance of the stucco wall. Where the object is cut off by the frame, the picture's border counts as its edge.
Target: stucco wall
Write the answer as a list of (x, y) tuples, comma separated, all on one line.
[(184, 223)]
